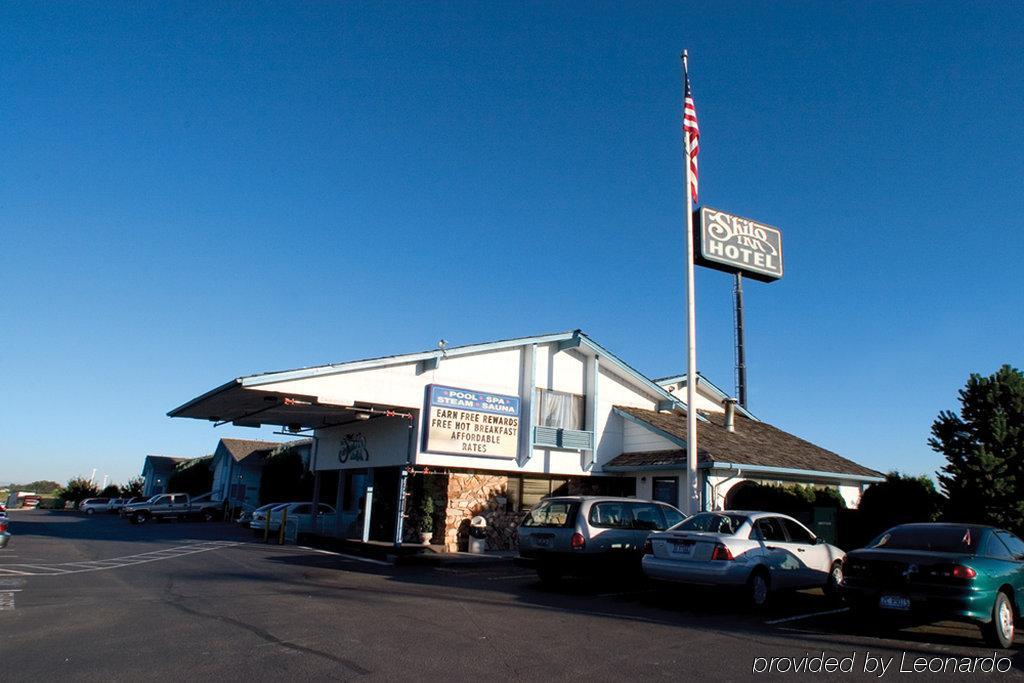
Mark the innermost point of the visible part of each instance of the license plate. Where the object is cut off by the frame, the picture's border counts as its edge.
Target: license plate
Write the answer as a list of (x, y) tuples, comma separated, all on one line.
[(542, 541), (894, 602), (682, 548)]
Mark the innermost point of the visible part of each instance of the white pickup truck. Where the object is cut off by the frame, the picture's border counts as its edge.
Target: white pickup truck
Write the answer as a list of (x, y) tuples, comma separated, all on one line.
[(173, 506)]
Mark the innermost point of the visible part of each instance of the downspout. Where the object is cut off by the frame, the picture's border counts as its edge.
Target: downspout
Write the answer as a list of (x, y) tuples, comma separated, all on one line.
[(714, 487)]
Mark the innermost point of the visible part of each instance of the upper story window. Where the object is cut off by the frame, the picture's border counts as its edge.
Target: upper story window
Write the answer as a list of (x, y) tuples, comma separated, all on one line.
[(560, 409)]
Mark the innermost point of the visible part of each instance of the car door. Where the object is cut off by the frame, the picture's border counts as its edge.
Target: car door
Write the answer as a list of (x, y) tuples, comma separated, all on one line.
[(814, 556), (611, 527), (779, 554), (646, 518)]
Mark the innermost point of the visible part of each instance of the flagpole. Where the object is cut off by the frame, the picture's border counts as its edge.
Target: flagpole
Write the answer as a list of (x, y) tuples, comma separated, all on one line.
[(692, 487)]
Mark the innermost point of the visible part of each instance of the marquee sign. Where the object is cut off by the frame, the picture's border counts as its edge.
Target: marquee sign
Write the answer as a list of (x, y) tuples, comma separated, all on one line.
[(738, 245), (470, 422)]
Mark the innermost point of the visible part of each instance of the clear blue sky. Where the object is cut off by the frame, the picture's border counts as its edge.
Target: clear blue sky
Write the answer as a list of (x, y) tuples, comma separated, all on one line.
[(192, 192)]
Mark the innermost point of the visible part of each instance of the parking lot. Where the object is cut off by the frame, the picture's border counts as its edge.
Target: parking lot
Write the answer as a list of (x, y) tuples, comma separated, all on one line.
[(96, 598)]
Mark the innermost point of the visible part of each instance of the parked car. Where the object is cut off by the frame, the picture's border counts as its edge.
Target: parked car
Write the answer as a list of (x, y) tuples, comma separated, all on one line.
[(91, 506), (956, 572), (759, 551), (5, 535), (300, 513), (171, 506), (132, 501), (260, 515), (116, 504), (573, 535)]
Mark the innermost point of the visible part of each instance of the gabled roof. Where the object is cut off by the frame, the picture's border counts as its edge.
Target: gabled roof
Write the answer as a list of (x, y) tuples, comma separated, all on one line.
[(574, 339), (240, 449), (754, 445), (704, 382), (164, 461)]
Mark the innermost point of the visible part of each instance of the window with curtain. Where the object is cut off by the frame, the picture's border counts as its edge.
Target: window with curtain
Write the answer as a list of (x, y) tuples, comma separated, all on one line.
[(560, 409)]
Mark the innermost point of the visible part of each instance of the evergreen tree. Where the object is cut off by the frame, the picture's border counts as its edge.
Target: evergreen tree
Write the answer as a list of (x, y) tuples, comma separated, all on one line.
[(983, 447)]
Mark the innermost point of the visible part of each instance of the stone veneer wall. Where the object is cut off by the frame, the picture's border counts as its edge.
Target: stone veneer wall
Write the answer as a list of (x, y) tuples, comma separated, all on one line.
[(471, 494)]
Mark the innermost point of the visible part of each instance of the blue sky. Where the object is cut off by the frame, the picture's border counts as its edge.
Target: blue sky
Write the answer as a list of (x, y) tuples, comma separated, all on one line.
[(192, 192)]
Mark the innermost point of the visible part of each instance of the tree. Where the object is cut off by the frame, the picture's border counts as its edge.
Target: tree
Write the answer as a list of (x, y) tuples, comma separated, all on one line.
[(191, 476), (78, 489), (111, 491), (41, 486), (285, 477), (133, 488), (983, 446), (900, 499)]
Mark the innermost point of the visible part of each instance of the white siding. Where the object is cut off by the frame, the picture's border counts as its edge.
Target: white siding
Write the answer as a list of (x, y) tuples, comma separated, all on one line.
[(705, 400), (637, 439)]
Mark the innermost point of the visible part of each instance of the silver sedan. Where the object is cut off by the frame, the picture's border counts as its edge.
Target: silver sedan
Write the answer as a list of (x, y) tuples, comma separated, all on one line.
[(759, 552)]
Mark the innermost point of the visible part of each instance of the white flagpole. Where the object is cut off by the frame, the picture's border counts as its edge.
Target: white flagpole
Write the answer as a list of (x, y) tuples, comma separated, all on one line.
[(692, 485)]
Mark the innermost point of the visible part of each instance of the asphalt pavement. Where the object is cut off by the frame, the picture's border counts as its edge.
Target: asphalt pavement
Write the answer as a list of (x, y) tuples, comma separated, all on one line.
[(95, 598)]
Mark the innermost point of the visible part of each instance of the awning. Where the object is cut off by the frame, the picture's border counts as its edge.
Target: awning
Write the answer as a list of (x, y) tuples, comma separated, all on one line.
[(245, 406)]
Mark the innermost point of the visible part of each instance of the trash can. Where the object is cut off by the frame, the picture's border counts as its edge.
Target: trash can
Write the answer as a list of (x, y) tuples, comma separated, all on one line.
[(477, 535)]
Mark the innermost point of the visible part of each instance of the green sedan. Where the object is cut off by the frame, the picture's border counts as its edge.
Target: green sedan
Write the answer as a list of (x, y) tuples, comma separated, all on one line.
[(959, 572)]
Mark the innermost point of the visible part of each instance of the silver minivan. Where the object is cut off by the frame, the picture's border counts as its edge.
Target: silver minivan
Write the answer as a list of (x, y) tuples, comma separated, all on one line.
[(589, 534)]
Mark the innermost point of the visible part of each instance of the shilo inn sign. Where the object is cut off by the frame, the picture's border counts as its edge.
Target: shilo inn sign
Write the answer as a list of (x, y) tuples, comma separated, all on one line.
[(468, 422), (735, 244)]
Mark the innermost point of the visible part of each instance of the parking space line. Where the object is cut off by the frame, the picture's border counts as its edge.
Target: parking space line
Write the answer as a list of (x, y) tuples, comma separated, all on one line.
[(115, 562), (347, 557), (807, 616)]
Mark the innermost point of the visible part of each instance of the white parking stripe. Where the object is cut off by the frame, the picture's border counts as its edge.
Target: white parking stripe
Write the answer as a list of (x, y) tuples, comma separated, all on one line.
[(807, 616), (347, 557), (115, 562)]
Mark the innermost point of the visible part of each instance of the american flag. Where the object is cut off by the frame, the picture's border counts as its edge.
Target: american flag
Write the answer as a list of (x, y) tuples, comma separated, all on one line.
[(691, 135)]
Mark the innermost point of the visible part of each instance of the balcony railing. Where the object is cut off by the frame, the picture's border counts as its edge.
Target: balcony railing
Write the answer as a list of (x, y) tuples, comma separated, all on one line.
[(568, 439)]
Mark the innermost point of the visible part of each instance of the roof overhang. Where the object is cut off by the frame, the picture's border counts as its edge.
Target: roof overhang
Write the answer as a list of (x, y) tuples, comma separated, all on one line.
[(245, 406), (788, 472)]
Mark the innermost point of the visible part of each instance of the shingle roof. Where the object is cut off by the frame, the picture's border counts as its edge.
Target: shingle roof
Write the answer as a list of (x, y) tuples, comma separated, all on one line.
[(166, 461), (753, 443), (240, 449)]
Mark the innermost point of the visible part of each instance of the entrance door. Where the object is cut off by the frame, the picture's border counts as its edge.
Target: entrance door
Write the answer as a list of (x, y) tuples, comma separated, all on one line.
[(665, 490), (385, 500)]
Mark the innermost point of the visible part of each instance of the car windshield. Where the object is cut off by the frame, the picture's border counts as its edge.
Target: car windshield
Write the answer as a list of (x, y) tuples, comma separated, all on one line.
[(943, 539), (715, 522), (552, 513)]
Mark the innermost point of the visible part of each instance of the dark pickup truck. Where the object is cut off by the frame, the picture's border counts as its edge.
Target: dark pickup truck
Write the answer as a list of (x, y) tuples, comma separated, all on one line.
[(173, 506)]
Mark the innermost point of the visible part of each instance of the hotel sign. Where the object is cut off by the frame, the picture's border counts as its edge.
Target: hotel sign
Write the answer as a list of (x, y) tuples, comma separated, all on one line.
[(738, 245), (470, 422)]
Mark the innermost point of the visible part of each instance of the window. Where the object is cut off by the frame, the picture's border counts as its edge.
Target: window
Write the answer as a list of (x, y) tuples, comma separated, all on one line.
[(665, 490), (770, 529), (993, 547), (647, 516), (533, 489), (939, 537), (560, 409), (552, 513), (797, 534), (324, 509), (672, 516), (611, 515), (1015, 545), (304, 509), (714, 522)]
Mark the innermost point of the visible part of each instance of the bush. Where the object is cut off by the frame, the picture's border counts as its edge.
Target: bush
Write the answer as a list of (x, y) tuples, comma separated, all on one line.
[(900, 499), (133, 488), (77, 490), (796, 500)]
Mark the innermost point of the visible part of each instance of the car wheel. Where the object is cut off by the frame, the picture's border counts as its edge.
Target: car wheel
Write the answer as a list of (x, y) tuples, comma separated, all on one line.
[(834, 585), (90, 511), (207, 515), (140, 518), (549, 575), (758, 588), (999, 632)]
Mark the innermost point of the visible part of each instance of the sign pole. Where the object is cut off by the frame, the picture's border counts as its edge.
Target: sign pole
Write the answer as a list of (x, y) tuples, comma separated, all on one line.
[(741, 350), (692, 488)]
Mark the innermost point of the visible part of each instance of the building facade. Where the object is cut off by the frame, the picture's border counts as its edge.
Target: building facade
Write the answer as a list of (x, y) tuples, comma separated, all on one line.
[(486, 429)]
